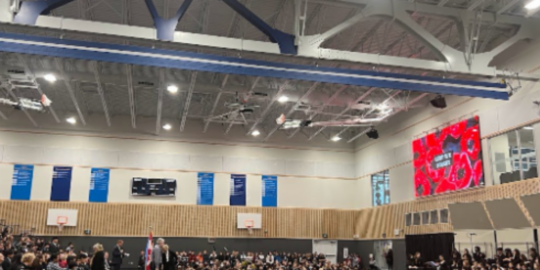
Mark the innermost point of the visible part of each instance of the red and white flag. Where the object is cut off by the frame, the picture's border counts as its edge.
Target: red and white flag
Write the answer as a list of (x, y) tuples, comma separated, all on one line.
[(148, 256)]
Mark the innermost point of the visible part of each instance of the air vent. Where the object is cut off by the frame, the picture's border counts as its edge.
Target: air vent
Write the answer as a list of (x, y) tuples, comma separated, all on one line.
[(15, 71), (146, 83)]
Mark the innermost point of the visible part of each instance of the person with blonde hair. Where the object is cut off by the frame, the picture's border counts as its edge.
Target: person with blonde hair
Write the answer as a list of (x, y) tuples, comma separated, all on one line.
[(169, 258), (26, 261), (98, 258)]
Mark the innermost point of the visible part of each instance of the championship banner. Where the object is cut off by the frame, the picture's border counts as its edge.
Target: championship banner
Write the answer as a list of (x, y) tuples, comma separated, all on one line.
[(99, 185), (61, 183), (205, 188), (21, 184), (238, 189), (269, 191)]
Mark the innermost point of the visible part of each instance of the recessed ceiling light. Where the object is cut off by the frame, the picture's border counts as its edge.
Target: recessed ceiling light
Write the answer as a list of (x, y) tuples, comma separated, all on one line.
[(255, 133), (336, 139), (71, 120), (172, 88), (528, 128), (167, 127), (534, 4), (49, 77), (283, 99)]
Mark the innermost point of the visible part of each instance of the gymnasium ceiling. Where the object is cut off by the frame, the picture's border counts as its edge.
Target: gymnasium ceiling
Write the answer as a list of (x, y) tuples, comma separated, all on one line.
[(76, 93)]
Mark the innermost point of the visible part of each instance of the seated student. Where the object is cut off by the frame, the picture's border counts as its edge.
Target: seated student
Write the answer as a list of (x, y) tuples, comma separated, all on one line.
[(456, 264), (417, 262), (533, 255), (466, 265), (478, 256), (442, 264)]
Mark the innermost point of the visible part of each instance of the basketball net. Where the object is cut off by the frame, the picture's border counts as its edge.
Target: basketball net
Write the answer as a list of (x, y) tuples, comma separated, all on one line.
[(249, 225), (61, 221)]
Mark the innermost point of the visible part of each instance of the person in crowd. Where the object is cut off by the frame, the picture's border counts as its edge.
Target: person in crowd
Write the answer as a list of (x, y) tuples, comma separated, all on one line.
[(97, 262), (53, 263), (478, 255), (270, 258), (8, 256), (107, 260), (372, 262), (141, 261), (1, 260), (118, 255), (466, 256), (389, 259), (54, 246), (62, 260), (169, 258), (82, 262), (416, 262), (26, 261), (156, 254)]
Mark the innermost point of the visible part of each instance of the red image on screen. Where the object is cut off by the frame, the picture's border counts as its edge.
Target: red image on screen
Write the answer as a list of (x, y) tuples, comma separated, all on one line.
[(448, 160)]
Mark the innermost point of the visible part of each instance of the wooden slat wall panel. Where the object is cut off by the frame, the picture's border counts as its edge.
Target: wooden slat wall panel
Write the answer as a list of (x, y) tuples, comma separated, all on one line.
[(371, 223), (119, 219)]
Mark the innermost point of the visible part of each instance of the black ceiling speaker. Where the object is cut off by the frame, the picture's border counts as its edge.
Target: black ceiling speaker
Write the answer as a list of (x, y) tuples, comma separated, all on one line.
[(373, 134), (439, 102)]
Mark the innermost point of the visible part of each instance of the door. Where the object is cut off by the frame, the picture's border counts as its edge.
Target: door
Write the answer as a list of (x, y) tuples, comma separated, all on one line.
[(327, 247)]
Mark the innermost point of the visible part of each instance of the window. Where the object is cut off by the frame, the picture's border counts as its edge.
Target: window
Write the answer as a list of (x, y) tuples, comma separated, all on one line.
[(380, 188), (513, 156)]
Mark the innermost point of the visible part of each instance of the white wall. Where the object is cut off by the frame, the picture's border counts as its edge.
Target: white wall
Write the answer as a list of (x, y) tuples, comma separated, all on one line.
[(306, 178)]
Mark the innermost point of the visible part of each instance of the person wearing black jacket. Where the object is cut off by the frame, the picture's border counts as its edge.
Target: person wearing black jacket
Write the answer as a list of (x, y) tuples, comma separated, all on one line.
[(54, 247), (8, 256), (390, 259), (118, 255), (169, 258), (141, 261), (98, 259)]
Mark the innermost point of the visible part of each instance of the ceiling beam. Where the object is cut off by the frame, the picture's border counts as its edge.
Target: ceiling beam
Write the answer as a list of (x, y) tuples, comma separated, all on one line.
[(410, 103), (475, 4), (3, 116), (216, 101), (508, 6), (131, 96), (95, 69), (442, 3), (351, 105), (10, 91), (161, 91), (321, 109), (24, 60), (253, 85), (293, 109), (69, 87), (188, 99), (267, 109)]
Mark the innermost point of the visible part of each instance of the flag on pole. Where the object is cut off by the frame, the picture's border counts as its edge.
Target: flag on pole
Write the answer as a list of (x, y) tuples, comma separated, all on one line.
[(148, 256)]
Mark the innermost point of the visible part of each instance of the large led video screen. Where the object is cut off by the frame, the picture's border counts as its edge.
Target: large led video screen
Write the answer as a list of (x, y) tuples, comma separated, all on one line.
[(449, 159)]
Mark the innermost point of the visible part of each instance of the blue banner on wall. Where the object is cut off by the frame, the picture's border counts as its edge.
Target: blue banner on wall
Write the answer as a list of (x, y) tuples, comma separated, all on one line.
[(21, 184), (269, 191), (205, 189), (99, 185), (61, 183), (238, 189)]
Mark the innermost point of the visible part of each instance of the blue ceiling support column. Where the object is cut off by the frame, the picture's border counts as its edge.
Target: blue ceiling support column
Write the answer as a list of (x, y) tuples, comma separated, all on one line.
[(284, 40), (166, 27), (30, 10)]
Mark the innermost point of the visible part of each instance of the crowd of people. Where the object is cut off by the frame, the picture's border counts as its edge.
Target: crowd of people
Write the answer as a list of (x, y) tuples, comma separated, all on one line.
[(163, 258), (33, 253), (504, 259)]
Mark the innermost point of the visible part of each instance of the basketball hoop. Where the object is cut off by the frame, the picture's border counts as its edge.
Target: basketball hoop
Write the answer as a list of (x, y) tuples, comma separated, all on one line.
[(61, 221), (249, 225)]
